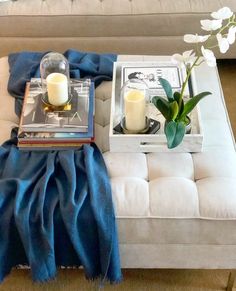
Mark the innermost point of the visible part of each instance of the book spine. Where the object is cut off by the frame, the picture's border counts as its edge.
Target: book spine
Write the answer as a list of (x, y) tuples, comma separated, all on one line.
[(42, 142)]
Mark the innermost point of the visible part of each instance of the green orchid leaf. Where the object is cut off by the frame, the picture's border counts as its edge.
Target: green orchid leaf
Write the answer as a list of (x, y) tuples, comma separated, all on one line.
[(167, 88), (179, 135), (163, 106), (174, 110), (181, 109), (177, 97), (191, 103), (170, 130), (174, 132)]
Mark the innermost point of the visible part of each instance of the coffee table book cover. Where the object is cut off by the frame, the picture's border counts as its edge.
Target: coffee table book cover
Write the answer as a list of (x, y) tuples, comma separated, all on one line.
[(42, 125), (150, 72)]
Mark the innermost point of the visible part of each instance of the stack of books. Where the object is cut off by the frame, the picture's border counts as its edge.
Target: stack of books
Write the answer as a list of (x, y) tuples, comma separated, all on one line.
[(43, 126)]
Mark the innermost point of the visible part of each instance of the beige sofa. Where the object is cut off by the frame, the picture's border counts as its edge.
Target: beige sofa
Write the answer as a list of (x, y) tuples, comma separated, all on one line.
[(173, 210), (121, 26)]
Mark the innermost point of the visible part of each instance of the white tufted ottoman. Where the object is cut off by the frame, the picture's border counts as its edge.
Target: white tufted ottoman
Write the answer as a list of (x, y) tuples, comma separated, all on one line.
[(174, 210)]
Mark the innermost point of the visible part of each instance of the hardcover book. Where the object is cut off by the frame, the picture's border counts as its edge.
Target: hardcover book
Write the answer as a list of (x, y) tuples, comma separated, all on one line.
[(70, 133), (39, 116), (51, 146), (46, 137)]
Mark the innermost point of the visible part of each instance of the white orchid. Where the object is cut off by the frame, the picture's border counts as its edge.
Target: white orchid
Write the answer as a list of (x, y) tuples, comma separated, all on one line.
[(222, 33), (185, 58), (195, 38), (209, 57), (231, 34), (223, 13), (223, 43), (210, 25)]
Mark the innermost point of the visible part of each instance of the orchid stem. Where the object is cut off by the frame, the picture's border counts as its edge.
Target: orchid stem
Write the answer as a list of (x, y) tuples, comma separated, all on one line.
[(186, 80)]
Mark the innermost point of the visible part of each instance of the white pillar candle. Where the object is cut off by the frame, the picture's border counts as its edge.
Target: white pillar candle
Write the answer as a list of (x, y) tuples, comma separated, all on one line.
[(135, 110), (57, 87)]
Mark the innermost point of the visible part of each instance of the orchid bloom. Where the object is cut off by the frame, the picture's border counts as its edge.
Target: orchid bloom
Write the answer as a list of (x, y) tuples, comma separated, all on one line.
[(210, 25), (181, 60), (223, 13), (223, 43), (231, 34), (221, 32), (209, 57), (195, 38)]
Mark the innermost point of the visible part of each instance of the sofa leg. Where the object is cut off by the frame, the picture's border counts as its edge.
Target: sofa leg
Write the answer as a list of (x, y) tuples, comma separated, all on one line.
[(231, 279)]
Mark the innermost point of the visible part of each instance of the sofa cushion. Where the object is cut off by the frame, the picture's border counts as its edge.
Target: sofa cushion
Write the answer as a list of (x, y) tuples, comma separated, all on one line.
[(5, 130), (130, 196), (170, 165), (7, 102), (154, 26), (127, 164), (214, 164), (217, 197), (102, 18), (173, 197)]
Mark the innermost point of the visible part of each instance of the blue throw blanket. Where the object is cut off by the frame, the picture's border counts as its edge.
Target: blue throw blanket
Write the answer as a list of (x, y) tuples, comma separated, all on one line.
[(56, 207)]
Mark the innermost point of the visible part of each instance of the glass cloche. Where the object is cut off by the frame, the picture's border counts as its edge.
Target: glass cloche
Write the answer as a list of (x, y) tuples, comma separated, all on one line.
[(55, 78)]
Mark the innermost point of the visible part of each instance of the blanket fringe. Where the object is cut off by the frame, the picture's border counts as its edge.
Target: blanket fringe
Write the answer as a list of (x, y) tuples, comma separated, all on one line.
[(100, 280)]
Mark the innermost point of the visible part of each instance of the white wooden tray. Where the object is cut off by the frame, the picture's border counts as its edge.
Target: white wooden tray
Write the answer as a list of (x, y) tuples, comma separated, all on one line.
[(150, 142)]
